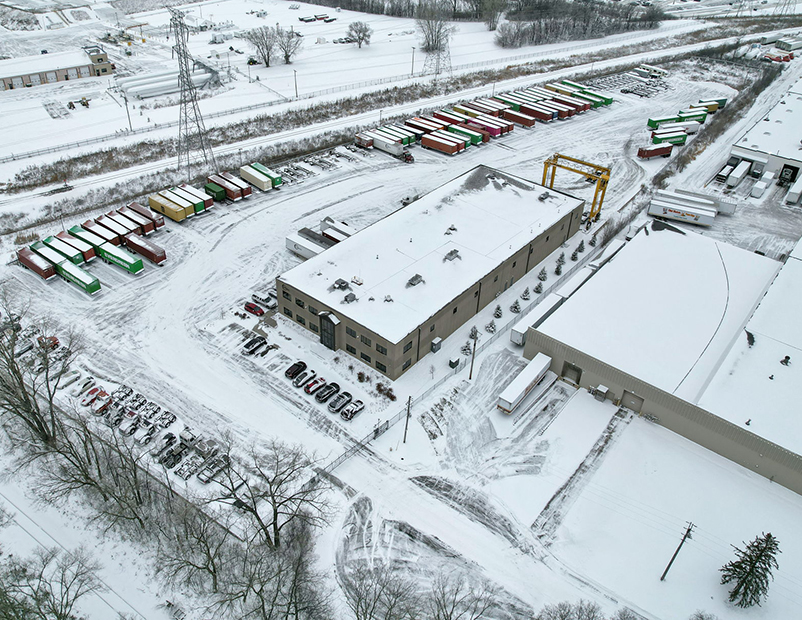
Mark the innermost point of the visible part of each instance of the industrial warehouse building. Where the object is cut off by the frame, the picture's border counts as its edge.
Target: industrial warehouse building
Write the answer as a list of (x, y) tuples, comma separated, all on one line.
[(389, 294), (26, 71), (664, 329), (773, 142)]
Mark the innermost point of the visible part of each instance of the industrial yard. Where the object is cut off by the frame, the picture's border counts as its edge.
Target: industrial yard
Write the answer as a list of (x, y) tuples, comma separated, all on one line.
[(192, 301)]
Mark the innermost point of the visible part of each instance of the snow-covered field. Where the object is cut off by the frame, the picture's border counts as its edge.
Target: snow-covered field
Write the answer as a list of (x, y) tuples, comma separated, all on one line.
[(494, 495)]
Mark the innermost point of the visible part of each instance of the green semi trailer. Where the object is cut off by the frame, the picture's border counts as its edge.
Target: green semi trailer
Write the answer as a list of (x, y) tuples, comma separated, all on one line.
[(108, 252), (66, 250), (215, 191), (67, 270), (273, 176)]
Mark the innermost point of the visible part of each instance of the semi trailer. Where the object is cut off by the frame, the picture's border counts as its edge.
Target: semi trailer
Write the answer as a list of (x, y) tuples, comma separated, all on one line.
[(246, 189), (146, 225), (438, 144), (86, 250), (739, 174), (67, 270), (198, 204), (186, 205), (532, 374), (233, 192), (65, 249), (256, 178), (275, 177), (102, 232), (215, 191), (693, 215), (36, 263), (161, 205), (674, 137), (661, 150), (146, 248), (208, 201), (156, 218)]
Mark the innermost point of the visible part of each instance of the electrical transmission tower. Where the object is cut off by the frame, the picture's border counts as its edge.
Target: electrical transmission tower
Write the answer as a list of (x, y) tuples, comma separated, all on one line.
[(438, 61), (191, 131)]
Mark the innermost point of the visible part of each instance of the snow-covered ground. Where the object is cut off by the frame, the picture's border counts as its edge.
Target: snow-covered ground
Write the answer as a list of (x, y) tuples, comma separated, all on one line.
[(474, 484)]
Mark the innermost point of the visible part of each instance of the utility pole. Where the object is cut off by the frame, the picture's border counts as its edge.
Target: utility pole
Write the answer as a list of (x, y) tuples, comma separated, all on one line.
[(406, 424), (412, 73), (130, 126), (685, 537), (473, 355), (295, 77)]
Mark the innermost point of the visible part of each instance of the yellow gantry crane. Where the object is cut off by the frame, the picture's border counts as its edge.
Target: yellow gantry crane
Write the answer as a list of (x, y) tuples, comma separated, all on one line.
[(592, 172)]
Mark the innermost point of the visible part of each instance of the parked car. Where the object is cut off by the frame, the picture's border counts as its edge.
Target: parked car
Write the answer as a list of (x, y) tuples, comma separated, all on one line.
[(147, 430), (340, 401), (91, 395), (68, 378), (351, 410), (165, 441), (305, 377), (254, 309), (293, 370), (213, 468), (138, 401), (253, 345), (82, 386), (166, 419), (23, 348), (314, 385), (129, 426), (150, 411), (114, 418), (191, 466), (267, 300), (48, 343), (326, 392), (102, 402), (122, 392)]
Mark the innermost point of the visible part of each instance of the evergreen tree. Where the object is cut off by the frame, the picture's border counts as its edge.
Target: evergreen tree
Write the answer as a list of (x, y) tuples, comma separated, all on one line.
[(581, 247), (561, 258), (539, 288), (751, 570), (542, 276), (498, 312), (515, 307), (558, 270), (574, 256), (491, 327), (592, 241), (467, 348), (474, 335), (525, 295)]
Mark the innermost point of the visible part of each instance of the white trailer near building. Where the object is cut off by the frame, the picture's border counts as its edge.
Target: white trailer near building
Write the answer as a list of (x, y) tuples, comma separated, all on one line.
[(792, 197), (739, 174), (303, 247), (684, 200), (532, 374), (693, 215), (254, 177), (722, 206)]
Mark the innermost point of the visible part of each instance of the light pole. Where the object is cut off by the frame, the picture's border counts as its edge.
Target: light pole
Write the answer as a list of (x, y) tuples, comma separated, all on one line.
[(295, 77), (412, 73), (249, 73)]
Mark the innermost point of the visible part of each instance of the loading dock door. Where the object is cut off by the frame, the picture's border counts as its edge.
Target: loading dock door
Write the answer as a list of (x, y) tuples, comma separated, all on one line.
[(631, 401), (36, 79), (572, 373), (51, 76), (72, 73), (17, 82)]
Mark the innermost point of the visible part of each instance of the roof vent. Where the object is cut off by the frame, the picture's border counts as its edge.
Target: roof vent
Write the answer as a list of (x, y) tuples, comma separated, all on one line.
[(415, 280), (357, 280), (543, 196), (340, 284), (452, 254), (388, 299), (349, 298), (451, 229)]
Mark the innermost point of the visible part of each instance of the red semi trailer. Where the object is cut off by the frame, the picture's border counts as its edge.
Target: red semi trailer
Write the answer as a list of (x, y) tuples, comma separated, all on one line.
[(86, 250), (233, 192), (153, 216), (102, 232), (145, 225), (146, 248), (36, 263), (438, 144), (647, 152)]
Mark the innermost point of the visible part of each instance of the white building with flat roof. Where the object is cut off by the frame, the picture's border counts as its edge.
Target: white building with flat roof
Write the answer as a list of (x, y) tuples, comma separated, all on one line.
[(385, 293), (26, 71)]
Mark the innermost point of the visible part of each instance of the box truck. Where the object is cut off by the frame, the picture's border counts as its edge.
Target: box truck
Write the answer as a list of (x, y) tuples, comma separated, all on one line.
[(792, 197)]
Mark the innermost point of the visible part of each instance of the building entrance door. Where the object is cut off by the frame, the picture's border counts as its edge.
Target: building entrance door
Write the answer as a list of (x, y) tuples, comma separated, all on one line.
[(572, 373), (328, 332)]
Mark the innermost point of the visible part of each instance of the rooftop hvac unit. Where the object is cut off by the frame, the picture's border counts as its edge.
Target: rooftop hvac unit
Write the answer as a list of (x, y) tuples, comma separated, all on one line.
[(349, 298), (452, 254), (415, 280), (340, 284), (544, 196)]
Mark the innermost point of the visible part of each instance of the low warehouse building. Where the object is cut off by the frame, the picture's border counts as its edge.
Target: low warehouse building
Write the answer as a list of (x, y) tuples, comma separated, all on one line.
[(391, 292), (651, 329), (26, 71), (772, 144)]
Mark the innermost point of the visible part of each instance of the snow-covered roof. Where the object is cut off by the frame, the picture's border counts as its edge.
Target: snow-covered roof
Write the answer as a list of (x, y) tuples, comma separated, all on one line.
[(779, 134), (752, 384), (41, 63), (666, 309), (485, 215)]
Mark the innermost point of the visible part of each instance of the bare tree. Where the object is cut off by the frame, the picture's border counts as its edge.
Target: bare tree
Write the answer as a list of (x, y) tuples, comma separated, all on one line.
[(288, 43), (29, 379), (378, 593), (196, 551), (273, 487), (263, 41), (491, 11), (49, 585), (361, 32), (454, 598), (431, 19)]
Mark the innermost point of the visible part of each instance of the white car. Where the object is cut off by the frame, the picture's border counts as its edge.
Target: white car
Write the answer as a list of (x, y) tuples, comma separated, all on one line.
[(68, 378), (82, 386)]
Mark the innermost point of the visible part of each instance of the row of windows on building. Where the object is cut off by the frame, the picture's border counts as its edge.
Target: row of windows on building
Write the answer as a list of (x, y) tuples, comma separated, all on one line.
[(349, 331)]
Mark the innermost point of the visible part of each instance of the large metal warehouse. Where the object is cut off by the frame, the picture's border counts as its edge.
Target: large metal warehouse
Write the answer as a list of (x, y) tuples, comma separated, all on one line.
[(650, 331), (390, 293)]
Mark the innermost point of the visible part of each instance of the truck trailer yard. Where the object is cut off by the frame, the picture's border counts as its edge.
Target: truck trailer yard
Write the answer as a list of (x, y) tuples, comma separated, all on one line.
[(565, 498)]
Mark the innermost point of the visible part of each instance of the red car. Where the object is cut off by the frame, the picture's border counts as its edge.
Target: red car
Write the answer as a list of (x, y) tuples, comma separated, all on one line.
[(254, 309), (314, 385), (48, 343)]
